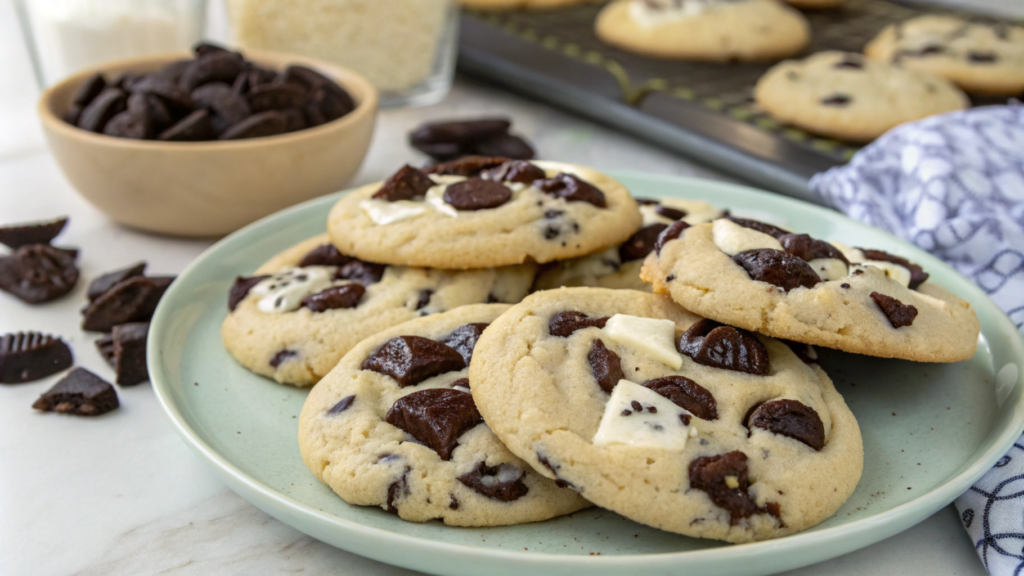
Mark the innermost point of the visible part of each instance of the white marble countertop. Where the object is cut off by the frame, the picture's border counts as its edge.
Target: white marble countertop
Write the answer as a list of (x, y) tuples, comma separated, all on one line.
[(123, 495)]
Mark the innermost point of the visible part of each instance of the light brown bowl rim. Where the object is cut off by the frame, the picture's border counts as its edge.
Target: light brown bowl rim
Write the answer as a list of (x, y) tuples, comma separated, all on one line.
[(358, 86)]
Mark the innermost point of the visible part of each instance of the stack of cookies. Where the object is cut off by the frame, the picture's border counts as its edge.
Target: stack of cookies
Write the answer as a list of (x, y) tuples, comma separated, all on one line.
[(487, 350)]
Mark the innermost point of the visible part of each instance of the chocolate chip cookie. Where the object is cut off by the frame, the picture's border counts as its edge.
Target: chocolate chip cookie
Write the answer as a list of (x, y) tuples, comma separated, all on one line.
[(305, 308), (395, 425), (478, 212), (760, 277), (671, 420)]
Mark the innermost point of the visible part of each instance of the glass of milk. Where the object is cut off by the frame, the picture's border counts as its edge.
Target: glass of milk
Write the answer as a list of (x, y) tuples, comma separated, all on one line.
[(406, 48), (65, 36)]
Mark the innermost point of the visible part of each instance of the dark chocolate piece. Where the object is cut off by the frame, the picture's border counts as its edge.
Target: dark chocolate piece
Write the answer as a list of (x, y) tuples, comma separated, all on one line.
[(276, 97), (917, 274), (28, 356), (105, 346), (413, 359), (281, 357), (192, 128), (240, 289), (89, 90), (837, 100), (102, 284), (109, 103), (324, 255), (477, 194), (133, 300), (365, 273), (642, 243), (468, 165), (564, 324), (38, 273), (335, 297), (166, 89), (514, 171), (709, 473), (405, 184), (15, 236), (773, 231), (449, 140), (130, 124), (342, 405), (81, 393), (898, 313), (130, 353), (669, 234), (464, 338), (776, 267), (606, 365), (712, 344), (572, 189), (670, 213), (436, 417), (509, 146), (808, 248), (217, 66), (270, 123), (790, 418), (424, 298), (396, 490), (686, 394), (503, 482), (979, 57), (224, 102)]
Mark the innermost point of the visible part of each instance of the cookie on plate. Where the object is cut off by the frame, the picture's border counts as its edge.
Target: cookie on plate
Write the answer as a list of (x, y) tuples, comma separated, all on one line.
[(815, 4), (666, 418), (394, 425), (478, 211), (305, 308), (710, 30), (522, 4), (847, 96), (619, 267), (760, 277), (983, 59)]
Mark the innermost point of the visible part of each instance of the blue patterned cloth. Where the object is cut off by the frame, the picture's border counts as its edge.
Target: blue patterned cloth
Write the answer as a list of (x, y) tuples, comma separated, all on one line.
[(954, 186)]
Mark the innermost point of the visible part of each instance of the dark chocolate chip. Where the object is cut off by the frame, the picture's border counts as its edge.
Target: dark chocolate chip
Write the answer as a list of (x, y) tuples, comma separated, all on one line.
[(464, 338), (240, 289), (709, 474), (477, 194), (281, 357), (38, 273), (646, 201), (461, 382), (166, 89), (667, 235), (503, 482), (564, 324), (808, 248), (224, 102), (192, 128), (571, 189), (405, 184), (606, 365), (448, 140), (324, 255), (365, 273), (509, 146), (776, 267), (642, 243), (546, 462), (81, 393), (468, 166), (917, 274), (805, 352), (89, 90), (436, 417), (15, 236), (789, 418), (260, 125), (397, 489), (28, 356), (712, 344), (217, 66), (838, 100), (276, 97), (130, 125), (204, 48), (105, 346), (413, 359), (335, 297), (130, 353), (670, 213), (453, 503), (773, 231), (108, 104), (133, 300), (686, 394), (73, 114), (898, 313), (342, 405)]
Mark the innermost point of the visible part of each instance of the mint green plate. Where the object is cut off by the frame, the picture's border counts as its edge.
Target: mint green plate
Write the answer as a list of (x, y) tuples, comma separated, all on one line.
[(929, 430)]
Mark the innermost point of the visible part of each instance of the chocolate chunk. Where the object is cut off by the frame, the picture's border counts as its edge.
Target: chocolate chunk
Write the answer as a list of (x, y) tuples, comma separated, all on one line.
[(808, 248), (312, 80), (166, 89), (281, 357), (564, 324), (109, 103), (204, 48), (710, 473), (448, 140), (642, 243), (172, 72), (509, 146), (130, 353), (670, 213), (105, 346), (898, 313), (324, 255), (218, 66), (133, 300), (38, 273), (686, 394), (571, 189), (153, 107), (259, 125), (453, 503), (365, 273), (28, 356), (294, 119), (838, 100), (917, 274), (789, 418), (335, 297), (89, 90), (424, 298), (73, 115), (276, 97), (102, 284), (461, 382), (15, 236), (192, 128), (477, 194), (397, 489), (503, 482), (773, 231), (240, 289), (647, 201), (667, 235), (219, 98), (554, 468), (514, 171), (412, 359), (607, 366), (777, 267), (130, 125), (712, 344), (342, 405), (81, 393), (436, 417), (323, 106), (805, 352), (468, 166), (464, 338), (405, 184)]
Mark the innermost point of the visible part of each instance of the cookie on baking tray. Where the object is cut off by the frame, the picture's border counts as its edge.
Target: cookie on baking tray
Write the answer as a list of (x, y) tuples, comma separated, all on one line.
[(671, 420), (983, 59), (619, 267), (847, 96), (394, 425), (479, 211), (305, 308), (710, 30), (760, 277)]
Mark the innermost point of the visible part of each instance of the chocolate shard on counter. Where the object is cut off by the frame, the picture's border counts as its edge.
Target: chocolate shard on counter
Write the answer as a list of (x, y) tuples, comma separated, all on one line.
[(15, 236), (133, 300), (105, 346), (28, 356), (102, 284), (81, 393), (130, 353), (38, 273)]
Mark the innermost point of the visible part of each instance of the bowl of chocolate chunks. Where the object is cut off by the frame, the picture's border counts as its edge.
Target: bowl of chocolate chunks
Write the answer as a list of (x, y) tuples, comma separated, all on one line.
[(202, 144)]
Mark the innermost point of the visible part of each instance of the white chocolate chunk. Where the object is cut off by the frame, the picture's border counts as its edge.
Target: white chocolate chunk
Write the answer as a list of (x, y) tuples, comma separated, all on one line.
[(697, 211), (829, 268), (656, 424), (893, 271), (732, 482), (732, 238), (435, 197), (854, 255), (667, 11), (284, 291), (656, 338), (446, 179), (383, 212)]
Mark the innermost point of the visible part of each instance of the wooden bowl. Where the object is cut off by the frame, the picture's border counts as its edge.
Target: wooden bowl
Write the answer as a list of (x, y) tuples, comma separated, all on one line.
[(208, 188)]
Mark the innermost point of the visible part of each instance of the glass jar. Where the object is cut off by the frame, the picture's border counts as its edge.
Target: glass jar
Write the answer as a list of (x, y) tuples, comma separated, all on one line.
[(65, 36), (406, 48)]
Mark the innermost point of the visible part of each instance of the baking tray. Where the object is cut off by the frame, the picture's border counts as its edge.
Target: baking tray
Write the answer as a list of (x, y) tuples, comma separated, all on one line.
[(702, 110)]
